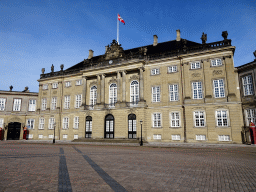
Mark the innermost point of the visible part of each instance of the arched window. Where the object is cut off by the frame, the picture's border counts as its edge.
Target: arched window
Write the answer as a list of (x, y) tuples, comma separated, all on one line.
[(112, 94), (109, 127), (134, 92), (93, 95), (132, 126), (88, 127)]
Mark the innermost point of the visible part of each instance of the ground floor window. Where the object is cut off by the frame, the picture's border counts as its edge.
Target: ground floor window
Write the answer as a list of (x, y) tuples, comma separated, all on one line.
[(88, 127), (200, 137), (132, 126), (176, 137), (109, 126), (157, 136), (250, 116), (224, 138)]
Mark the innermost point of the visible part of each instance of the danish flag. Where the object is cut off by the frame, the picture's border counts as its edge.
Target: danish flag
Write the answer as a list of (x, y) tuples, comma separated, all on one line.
[(120, 19)]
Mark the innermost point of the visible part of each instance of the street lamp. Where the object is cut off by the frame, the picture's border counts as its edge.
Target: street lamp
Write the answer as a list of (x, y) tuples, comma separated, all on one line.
[(141, 142), (54, 125)]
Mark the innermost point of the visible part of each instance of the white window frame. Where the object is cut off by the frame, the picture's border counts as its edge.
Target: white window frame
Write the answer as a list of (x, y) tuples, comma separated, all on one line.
[(176, 137), (172, 69), (216, 62), (78, 82), (75, 136), (1, 122), (219, 89), (67, 84), (155, 71), (222, 120), (45, 86), (65, 122), (175, 119), (67, 102), (16, 104), (54, 103), (76, 122), (199, 121), (134, 92), (157, 120), (247, 85), (157, 136), (44, 104), (40, 136), (112, 94), (224, 138), (50, 136), (197, 90), (51, 123), (200, 137), (156, 93), (2, 104), (174, 92), (32, 105), (195, 65), (41, 123), (93, 95), (30, 123), (64, 136), (78, 101), (250, 115), (54, 85)]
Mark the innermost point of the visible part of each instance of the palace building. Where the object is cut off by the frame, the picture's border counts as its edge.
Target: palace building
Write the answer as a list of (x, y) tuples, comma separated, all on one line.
[(178, 91)]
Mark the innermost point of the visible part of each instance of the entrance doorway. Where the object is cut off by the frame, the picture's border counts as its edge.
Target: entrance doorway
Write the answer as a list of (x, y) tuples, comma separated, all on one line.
[(13, 131), (88, 127), (132, 126), (109, 127)]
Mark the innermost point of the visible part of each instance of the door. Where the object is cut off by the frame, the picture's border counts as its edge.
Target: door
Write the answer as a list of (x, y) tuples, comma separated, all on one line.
[(109, 127), (88, 127), (132, 126), (13, 131)]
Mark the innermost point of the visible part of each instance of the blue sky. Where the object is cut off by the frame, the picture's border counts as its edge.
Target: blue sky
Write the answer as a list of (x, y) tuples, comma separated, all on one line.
[(38, 33)]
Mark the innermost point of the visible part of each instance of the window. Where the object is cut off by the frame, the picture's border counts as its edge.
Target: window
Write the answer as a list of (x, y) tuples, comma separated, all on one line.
[(54, 85), (51, 123), (155, 71), (112, 94), (175, 119), (197, 90), (134, 92), (88, 127), (67, 102), (45, 86), (219, 90), (157, 119), (216, 62), (75, 136), (65, 136), (32, 105), (30, 123), (67, 84), (156, 94), (93, 95), (172, 69), (224, 138), (65, 123), (76, 122), (247, 85), (157, 136), (1, 123), (54, 103), (176, 137), (44, 103), (2, 104), (16, 104), (41, 123), (30, 136), (40, 136), (200, 137), (78, 101), (195, 65), (79, 82), (199, 119), (222, 118), (50, 136), (173, 92), (250, 116)]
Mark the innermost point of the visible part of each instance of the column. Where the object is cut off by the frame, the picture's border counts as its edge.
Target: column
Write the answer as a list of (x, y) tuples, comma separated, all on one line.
[(84, 90), (103, 88), (124, 88), (141, 84), (98, 89), (118, 87)]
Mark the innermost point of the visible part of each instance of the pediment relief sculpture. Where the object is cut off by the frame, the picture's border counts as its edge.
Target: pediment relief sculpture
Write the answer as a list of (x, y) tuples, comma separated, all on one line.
[(114, 50), (134, 77), (113, 80)]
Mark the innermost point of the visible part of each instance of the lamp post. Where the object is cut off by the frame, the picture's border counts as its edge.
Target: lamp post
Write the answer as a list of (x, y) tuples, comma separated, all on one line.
[(141, 142), (54, 125)]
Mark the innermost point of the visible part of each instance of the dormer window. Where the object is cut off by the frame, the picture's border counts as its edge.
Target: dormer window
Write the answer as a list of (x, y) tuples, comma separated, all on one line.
[(216, 62), (172, 69), (195, 65), (155, 71)]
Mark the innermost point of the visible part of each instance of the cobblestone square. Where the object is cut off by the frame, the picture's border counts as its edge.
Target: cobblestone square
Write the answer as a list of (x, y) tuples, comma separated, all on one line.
[(86, 167)]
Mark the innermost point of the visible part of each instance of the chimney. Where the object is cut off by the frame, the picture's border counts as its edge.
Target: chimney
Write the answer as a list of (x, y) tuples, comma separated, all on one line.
[(178, 35), (155, 40), (90, 54)]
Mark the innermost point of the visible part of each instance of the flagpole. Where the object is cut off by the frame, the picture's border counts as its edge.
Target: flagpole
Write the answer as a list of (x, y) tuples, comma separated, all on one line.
[(117, 30)]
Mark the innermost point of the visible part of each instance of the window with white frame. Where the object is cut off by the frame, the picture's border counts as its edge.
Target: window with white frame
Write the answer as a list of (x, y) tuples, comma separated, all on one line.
[(134, 92), (172, 69), (250, 116), (54, 103), (16, 104), (222, 118), (2, 104), (200, 137), (175, 119), (51, 123), (78, 101), (216, 62), (67, 102), (45, 86), (176, 137), (199, 118), (65, 136), (79, 82), (65, 123), (44, 103), (224, 138), (112, 94), (30, 123), (93, 95), (30, 136), (76, 136), (157, 119), (41, 123), (247, 85), (1, 123), (50, 136), (67, 84), (54, 85), (219, 90), (195, 65), (155, 71), (156, 94), (40, 136), (76, 122), (157, 136), (197, 89), (32, 105), (173, 92)]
